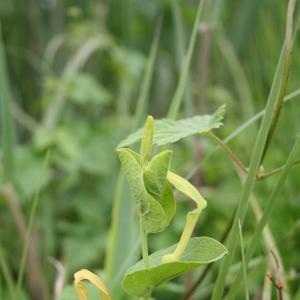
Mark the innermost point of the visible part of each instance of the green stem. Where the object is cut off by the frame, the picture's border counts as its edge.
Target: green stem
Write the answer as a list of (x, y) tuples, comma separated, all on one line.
[(30, 227), (239, 163), (144, 244), (7, 275), (288, 46), (248, 186), (270, 203), (275, 171), (178, 96), (232, 155), (191, 220)]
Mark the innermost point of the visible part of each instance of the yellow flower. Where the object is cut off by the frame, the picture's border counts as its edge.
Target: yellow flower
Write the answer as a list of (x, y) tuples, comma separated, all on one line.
[(94, 279)]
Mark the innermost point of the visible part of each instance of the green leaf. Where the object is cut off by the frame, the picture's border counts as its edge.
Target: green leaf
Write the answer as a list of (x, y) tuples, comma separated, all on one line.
[(168, 131), (156, 171), (134, 174), (84, 89), (140, 281), (154, 218), (168, 203)]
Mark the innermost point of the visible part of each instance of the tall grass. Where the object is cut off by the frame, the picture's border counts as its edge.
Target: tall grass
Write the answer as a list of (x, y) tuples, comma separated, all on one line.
[(278, 86), (7, 142), (32, 215)]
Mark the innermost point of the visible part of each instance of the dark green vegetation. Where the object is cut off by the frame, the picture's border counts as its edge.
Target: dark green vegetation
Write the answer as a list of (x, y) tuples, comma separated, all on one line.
[(77, 77)]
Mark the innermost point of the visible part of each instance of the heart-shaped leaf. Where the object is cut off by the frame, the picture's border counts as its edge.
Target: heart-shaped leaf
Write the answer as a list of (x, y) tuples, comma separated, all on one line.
[(140, 282), (134, 174), (156, 211), (168, 131), (168, 203), (156, 173)]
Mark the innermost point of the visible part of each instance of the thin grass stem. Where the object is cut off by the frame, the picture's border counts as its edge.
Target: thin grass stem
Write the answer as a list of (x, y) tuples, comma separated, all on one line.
[(178, 96), (267, 212), (244, 266), (32, 215), (255, 162)]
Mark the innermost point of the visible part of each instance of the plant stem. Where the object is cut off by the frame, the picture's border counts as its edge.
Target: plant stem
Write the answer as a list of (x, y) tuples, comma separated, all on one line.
[(7, 275), (244, 265), (255, 162), (266, 214), (191, 220), (30, 227), (232, 155), (178, 96), (275, 171), (288, 46), (144, 244), (239, 163)]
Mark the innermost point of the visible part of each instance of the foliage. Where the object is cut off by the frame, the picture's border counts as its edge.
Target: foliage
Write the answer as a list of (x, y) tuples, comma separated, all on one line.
[(80, 77)]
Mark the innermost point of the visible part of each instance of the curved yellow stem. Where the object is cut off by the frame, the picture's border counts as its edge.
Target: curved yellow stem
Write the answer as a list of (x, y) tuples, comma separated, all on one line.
[(94, 279)]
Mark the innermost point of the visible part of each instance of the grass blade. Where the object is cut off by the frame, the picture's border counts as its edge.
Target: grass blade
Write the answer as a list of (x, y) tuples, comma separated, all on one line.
[(32, 215), (7, 123), (147, 80), (180, 50), (244, 266), (288, 46), (7, 275), (256, 158), (294, 154), (7, 141), (178, 96)]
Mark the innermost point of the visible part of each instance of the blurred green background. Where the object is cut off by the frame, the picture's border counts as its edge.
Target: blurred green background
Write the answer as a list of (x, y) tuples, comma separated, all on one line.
[(72, 72)]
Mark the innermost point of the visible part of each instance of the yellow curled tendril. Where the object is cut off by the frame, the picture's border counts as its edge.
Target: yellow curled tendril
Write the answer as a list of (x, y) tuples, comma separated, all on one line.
[(189, 190), (94, 279)]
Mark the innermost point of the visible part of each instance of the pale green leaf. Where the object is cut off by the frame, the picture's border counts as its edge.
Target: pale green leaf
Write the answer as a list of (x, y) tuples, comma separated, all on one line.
[(155, 220), (168, 131), (156, 171), (134, 175), (154, 217), (168, 203), (140, 281)]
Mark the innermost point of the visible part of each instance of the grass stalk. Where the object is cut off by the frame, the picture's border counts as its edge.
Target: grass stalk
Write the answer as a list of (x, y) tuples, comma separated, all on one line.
[(244, 265), (255, 162), (32, 215), (178, 96), (7, 124), (267, 211), (7, 275), (180, 42), (288, 46), (7, 141), (147, 80)]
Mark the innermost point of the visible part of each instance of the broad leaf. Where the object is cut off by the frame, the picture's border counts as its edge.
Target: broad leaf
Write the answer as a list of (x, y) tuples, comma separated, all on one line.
[(139, 281), (168, 203), (168, 131), (155, 220), (156, 212), (134, 174), (156, 172)]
